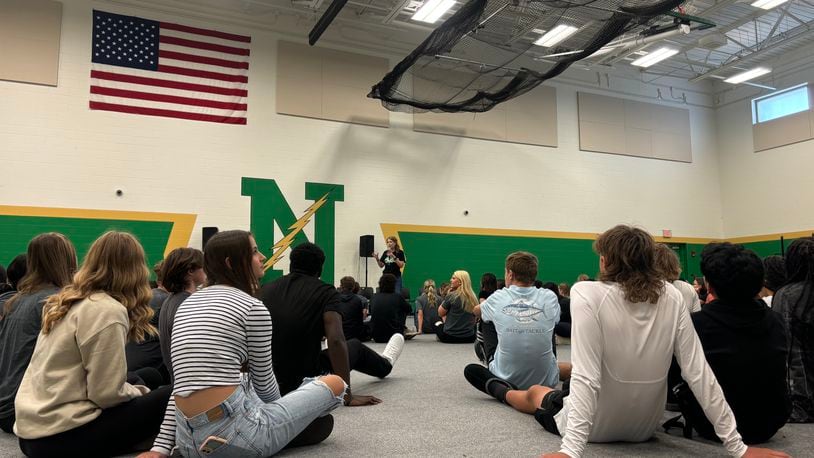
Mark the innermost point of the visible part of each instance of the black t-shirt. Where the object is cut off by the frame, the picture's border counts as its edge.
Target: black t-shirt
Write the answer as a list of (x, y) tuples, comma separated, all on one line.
[(390, 265), (484, 294), (297, 303), (148, 352), (389, 313), (565, 309), (352, 310), (165, 321)]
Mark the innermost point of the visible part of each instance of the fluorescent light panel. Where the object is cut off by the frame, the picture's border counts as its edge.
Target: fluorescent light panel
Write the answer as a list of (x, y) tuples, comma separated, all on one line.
[(748, 75), (432, 10), (556, 35), (654, 57), (768, 4)]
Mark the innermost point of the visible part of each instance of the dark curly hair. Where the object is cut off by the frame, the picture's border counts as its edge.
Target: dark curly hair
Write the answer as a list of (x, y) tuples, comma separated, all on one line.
[(775, 272), (733, 272)]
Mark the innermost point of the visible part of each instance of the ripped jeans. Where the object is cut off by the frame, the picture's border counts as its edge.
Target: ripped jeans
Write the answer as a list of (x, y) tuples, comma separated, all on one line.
[(251, 427)]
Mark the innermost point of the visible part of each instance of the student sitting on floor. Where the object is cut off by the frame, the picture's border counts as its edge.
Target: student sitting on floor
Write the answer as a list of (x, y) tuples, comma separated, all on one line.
[(51, 260), (217, 332), (524, 318), (457, 311), (563, 327), (774, 277), (485, 333), (182, 274), (745, 345), (667, 263), (625, 329), (304, 309), (14, 273), (147, 353), (426, 306), (795, 303), (388, 309), (74, 399), (353, 311)]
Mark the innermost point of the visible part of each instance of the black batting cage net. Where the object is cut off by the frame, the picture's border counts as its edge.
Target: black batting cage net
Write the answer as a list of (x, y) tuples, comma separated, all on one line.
[(475, 59)]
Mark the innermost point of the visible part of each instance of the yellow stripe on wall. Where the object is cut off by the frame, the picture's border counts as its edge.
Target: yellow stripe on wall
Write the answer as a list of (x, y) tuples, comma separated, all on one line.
[(182, 223), (393, 229)]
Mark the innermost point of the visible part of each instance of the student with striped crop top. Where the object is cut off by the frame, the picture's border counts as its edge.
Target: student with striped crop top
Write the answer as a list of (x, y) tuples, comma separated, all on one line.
[(216, 332)]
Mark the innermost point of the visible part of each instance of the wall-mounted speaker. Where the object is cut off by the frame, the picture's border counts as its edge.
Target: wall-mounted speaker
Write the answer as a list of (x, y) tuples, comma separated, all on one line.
[(208, 232), (365, 246)]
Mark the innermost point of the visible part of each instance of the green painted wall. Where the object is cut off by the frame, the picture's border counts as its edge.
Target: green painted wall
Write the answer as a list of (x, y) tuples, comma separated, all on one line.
[(16, 231), (436, 256), (767, 248)]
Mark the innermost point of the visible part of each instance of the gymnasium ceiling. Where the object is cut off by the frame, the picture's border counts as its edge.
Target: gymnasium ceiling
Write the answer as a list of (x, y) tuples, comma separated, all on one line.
[(745, 36)]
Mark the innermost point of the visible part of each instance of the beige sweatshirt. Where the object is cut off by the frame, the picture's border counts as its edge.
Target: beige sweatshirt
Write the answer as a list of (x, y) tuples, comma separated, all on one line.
[(76, 370)]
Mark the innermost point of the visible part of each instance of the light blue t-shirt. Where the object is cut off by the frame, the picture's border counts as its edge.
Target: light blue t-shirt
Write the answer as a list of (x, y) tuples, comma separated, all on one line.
[(524, 318)]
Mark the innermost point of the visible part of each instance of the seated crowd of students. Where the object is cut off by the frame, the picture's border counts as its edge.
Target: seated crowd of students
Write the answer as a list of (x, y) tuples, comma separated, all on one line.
[(93, 363)]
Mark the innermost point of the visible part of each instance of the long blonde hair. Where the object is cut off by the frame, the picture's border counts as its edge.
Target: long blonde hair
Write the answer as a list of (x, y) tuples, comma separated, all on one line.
[(115, 265), (465, 292), (429, 290), (51, 261)]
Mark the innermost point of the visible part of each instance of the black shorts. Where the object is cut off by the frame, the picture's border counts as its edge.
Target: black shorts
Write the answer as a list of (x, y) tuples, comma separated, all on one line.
[(551, 405)]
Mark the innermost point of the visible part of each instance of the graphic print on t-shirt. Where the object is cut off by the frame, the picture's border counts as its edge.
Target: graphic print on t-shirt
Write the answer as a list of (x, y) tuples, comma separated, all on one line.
[(523, 311)]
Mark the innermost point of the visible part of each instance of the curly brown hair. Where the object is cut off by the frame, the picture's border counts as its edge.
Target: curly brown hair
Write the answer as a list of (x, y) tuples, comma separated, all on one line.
[(115, 265), (628, 253)]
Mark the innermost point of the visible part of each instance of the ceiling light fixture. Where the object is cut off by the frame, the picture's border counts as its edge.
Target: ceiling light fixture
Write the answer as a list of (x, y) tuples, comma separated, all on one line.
[(432, 10), (748, 75), (768, 4), (654, 57), (556, 35)]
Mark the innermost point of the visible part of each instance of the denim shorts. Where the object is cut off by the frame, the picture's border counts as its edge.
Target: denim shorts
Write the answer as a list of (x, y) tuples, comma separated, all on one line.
[(251, 427)]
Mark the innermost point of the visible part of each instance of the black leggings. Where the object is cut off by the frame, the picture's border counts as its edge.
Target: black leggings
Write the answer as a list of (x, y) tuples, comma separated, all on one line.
[(360, 358), (446, 338), (115, 432), (7, 424)]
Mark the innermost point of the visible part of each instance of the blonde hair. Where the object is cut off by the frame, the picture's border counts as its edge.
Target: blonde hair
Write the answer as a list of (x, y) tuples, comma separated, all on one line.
[(51, 260), (465, 292), (115, 265), (429, 290)]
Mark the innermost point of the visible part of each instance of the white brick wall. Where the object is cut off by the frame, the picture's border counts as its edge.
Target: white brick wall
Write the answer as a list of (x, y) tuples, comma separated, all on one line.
[(56, 152)]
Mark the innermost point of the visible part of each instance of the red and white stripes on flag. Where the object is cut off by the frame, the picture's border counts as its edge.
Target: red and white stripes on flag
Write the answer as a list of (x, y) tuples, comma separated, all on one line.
[(163, 69)]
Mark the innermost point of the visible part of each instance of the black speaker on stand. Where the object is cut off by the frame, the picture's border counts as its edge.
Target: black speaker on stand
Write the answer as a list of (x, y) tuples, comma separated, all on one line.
[(365, 250), (207, 234)]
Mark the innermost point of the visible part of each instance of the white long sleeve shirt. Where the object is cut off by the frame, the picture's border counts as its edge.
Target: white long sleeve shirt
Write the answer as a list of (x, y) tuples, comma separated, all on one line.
[(621, 353)]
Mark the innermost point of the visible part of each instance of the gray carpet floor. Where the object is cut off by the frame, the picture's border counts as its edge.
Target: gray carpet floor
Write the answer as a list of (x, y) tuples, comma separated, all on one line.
[(429, 409)]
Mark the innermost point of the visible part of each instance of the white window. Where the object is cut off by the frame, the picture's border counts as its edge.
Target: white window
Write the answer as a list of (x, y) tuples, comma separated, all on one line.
[(781, 103)]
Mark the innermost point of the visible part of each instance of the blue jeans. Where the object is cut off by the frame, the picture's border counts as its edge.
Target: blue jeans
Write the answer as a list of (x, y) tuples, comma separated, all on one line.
[(252, 427), (398, 284)]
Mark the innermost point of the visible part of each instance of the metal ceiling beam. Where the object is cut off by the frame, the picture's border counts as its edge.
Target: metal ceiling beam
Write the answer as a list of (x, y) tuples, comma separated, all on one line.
[(757, 54)]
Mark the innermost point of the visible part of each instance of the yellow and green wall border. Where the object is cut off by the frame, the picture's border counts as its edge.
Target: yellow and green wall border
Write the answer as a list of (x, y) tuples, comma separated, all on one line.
[(159, 233), (437, 251)]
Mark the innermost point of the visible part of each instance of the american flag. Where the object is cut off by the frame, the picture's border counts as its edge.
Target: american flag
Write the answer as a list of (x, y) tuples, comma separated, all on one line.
[(157, 68)]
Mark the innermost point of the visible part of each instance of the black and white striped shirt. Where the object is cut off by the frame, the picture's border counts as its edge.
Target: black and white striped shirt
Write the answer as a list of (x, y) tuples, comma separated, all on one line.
[(215, 331)]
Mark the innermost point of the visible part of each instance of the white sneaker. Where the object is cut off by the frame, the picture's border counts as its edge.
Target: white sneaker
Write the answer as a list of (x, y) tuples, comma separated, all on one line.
[(393, 349)]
